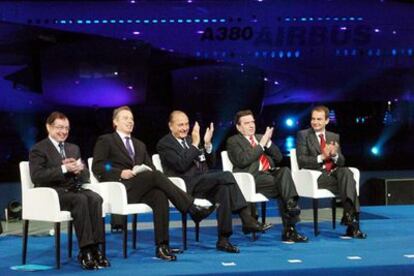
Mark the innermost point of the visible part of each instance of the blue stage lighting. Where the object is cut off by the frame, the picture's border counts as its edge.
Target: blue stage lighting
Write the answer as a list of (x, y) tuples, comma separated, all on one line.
[(289, 143), (375, 150), (290, 122)]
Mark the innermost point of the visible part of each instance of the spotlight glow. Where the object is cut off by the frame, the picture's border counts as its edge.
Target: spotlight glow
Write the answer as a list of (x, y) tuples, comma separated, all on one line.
[(289, 122), (375, 150)]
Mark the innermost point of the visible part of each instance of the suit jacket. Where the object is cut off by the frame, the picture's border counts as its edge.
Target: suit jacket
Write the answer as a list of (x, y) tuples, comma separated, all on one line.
[(308, 148), (182, 162), (110, 157), (45, 164), (245, 158)]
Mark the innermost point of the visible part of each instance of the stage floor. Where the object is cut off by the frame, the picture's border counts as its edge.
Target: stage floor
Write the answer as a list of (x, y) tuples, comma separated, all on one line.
[(389, 249)]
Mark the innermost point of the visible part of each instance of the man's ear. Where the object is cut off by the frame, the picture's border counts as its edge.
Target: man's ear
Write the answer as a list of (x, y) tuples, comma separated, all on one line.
[(238, 127)]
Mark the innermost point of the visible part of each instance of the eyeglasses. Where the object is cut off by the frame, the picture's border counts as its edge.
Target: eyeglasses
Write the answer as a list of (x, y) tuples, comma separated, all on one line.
[(61, 127)]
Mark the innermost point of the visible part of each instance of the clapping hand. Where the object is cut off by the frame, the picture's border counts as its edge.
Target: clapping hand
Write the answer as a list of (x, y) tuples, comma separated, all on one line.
[(195, 135), (209, 134), (267, 136), (73, 165)]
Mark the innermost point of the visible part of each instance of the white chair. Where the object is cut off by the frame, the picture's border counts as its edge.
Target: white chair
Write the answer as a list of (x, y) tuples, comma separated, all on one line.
[(115, 202), (42, 204), (306, 183), (179, 182), (246, 184)]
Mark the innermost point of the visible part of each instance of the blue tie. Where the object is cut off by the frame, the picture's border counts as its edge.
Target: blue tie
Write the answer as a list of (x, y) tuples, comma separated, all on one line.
[(129, 147)]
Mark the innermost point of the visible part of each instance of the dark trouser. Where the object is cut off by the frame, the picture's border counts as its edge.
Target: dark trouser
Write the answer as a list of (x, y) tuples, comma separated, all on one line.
[(86, 210), (279, 184), (341, 182), (155, 189), (221, 188)]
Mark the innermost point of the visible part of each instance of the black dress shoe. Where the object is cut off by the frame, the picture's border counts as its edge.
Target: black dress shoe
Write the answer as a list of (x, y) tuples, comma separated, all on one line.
[(291, 235), (100, 259), (292, 208), (164, 253), (254, 228), (86, 260), (226, 246), (198, 213), (353, 231), (266, 226)]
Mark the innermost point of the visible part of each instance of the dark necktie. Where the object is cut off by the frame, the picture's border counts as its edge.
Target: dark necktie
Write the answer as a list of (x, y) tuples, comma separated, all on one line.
[(329, 164), (184, 144), (62, 150), (129, 147), (263, 159)]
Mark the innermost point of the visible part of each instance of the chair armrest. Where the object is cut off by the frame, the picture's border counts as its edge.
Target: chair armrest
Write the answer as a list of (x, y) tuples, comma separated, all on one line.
[(41, 204), (357, 175), (116, 197), (97, 188), (246, 184), (306, 182), (102, 192), (179, 182)]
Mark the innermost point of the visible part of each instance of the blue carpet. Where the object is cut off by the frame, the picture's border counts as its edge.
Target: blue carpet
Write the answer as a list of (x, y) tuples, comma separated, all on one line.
[(389, 249)]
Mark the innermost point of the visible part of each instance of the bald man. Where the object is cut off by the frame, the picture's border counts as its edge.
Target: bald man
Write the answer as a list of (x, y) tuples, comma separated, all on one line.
[(184, 156)]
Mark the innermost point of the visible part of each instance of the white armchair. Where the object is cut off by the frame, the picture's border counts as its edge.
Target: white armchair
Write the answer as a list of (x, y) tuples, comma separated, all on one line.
[(42, 204), (179, 182), (306, 183), (246, 184), (115, 202)]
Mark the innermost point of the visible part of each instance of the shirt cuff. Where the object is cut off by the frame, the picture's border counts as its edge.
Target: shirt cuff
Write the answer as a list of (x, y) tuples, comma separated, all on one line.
[(64, 170), (335, 158), (209, 148), (319, 158)]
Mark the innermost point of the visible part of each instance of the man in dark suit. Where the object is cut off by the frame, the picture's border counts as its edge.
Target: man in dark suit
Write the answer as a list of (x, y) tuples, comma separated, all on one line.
[(120, 157), (181, 156), (258, 155), (57, 164), (319, 149)]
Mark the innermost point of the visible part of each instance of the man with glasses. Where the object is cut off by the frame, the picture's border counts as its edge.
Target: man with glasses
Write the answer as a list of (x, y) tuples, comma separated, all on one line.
[(57, 164)]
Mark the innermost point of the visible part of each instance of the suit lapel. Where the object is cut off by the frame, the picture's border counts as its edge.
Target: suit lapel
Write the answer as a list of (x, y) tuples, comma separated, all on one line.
[(329, 137), (244, 141), (53, 152), (314, 142), (120, 144)]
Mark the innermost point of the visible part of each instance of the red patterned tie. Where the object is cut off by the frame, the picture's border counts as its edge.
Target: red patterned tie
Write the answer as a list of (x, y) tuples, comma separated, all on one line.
[(329, 164), (263, 159)]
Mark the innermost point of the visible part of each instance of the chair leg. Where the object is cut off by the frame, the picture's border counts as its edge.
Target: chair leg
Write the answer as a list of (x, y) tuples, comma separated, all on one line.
[(333, 202), (25, 234), (134, 231), (315, 202), (125, 235), (70, 237), (184, 229), (103, 249), (197, 228), (57, 244), (263, 212)]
